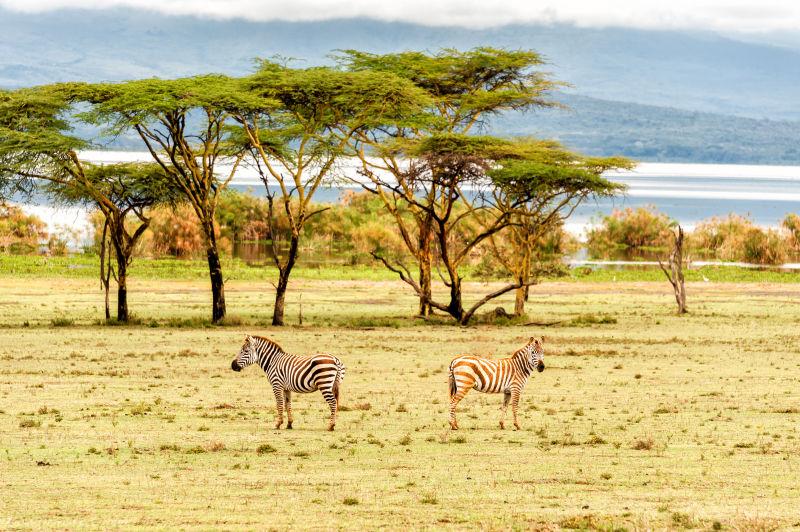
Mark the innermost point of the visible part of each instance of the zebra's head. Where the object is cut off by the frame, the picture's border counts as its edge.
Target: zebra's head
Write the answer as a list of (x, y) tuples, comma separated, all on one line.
[(246, 356), (535, 350)]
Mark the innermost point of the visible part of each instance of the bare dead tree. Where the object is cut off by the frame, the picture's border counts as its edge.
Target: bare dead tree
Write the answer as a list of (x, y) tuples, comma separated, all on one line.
[(675, 272)]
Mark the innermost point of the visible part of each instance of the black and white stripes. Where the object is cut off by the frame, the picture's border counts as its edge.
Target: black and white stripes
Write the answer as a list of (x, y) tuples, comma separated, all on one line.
[(289, 373)]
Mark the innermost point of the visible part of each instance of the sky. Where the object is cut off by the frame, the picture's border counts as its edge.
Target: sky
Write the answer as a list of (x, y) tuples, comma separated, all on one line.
[(727, 16)]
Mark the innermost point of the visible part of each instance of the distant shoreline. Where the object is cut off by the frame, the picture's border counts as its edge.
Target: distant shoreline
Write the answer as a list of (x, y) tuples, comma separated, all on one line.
[(688, 193)]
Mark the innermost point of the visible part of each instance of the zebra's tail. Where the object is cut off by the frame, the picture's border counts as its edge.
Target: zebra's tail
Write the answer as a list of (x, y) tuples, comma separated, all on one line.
[(452, 380), (340, 371)]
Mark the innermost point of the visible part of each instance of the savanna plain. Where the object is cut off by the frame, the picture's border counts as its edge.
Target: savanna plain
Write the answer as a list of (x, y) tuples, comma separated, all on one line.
[(642, 419)]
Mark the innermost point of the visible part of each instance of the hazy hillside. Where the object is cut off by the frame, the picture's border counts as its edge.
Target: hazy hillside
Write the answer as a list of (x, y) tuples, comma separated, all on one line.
[(649, 133), (686, 70), (642, 93)]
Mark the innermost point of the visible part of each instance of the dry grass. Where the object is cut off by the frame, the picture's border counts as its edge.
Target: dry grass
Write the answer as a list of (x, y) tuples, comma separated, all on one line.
[(147, 427)]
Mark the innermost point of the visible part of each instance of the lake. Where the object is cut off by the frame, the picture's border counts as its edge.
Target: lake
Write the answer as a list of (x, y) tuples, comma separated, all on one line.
[(688, 193)]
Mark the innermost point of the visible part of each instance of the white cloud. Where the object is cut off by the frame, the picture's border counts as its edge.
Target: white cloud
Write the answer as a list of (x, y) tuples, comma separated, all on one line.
[(716, 15)]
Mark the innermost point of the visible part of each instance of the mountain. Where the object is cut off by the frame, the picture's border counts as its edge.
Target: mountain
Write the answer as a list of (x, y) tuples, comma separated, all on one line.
[(659, 134), (661, 94), (689, 70)]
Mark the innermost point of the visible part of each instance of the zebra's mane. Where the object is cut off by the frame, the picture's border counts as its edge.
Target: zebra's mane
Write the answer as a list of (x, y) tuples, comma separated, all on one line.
[(270, 343), (522, 350)]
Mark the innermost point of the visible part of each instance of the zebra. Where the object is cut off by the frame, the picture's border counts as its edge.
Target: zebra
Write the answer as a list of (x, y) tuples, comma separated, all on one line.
[(507, 375), (289, 373)]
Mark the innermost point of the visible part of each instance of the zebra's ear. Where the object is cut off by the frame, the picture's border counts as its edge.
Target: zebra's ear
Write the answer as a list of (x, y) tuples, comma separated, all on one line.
[(542, 340)]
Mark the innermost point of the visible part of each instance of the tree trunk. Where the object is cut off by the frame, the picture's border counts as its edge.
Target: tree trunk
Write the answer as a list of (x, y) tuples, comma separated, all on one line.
[(425, 260), (675, 272), (122, 289), (122, 253), (519, 300), (105, 268), (425, 257), (280, 299), (676, 265), (283, 281), (107, 301), (218, 309), (523, 275), (456, 308), (217, 285)]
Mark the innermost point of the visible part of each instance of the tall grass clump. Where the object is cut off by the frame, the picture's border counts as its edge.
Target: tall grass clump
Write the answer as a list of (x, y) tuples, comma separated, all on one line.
[(791, 224), (644, 227), (20, 233), (736, 238)]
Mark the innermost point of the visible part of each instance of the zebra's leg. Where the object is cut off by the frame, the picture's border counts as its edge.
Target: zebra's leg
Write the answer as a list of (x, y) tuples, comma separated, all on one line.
[(506, 399), (331, 397), (515, 394), (454, 400), (278, 390), (288, 396)]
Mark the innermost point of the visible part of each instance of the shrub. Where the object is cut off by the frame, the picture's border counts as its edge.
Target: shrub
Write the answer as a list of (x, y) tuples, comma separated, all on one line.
[(736, 238), (242, 216), (792, 226), (360, 224), (764, 247), (216, 446), (629, 228), (176, 232), (429, 498), (546, 253), (265, 449), (20, 233), (57, 246), (717, 234)]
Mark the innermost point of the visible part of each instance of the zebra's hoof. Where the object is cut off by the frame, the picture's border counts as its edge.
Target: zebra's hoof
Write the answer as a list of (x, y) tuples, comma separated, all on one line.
[(278, 425), (289, 425), (502, 426), (516, 426), (453, 426), (330, 428)]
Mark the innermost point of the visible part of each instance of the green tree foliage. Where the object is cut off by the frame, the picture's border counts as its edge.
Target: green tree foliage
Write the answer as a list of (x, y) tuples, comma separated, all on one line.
[(465, 89), (183, 124), (35, 140), (489, 185), (36, 146), (539, 191), (127, 189), (302, 126)]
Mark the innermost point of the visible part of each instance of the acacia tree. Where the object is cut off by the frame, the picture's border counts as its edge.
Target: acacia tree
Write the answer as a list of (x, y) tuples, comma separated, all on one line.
[(296, 136), (473, 203), (552, 182), (466, 88), (36, 148), (183, 123), (127, 189)]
